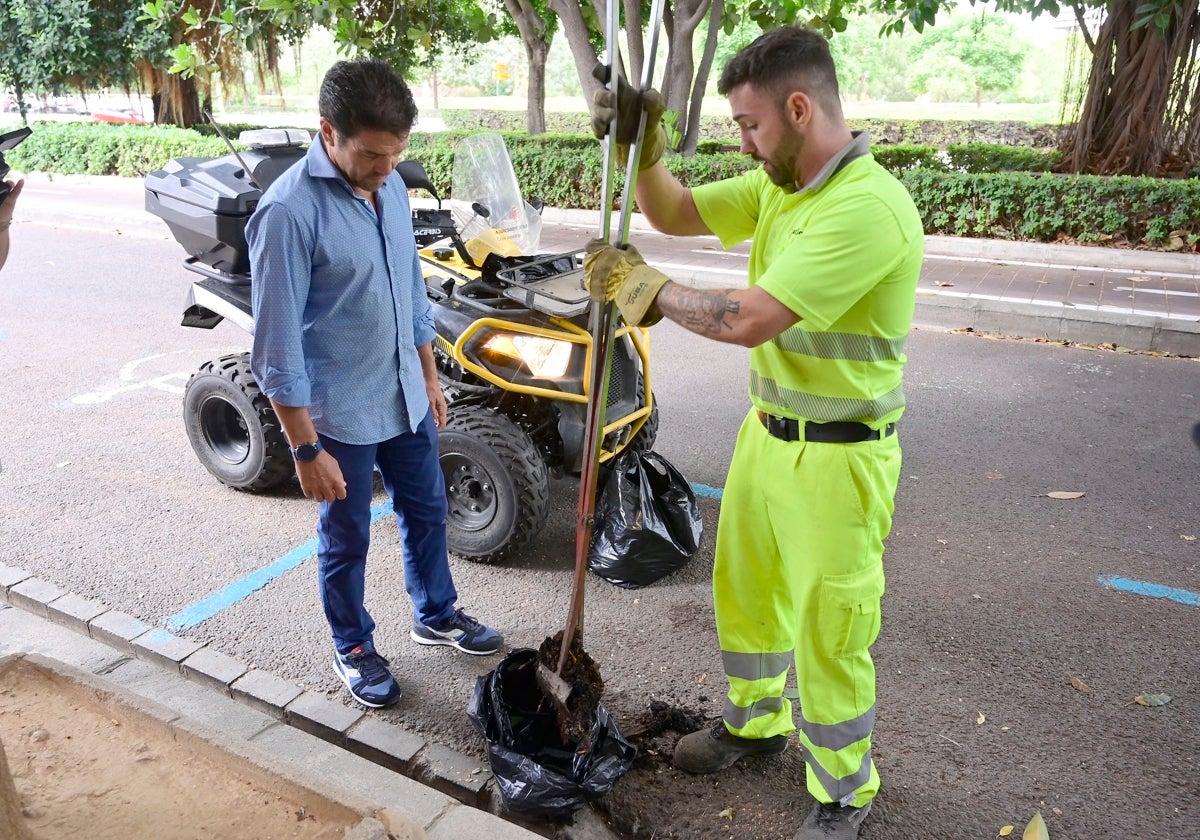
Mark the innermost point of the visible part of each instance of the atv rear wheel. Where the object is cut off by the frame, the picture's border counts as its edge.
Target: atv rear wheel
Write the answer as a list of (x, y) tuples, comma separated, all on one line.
[(233, 428), (497, 484)]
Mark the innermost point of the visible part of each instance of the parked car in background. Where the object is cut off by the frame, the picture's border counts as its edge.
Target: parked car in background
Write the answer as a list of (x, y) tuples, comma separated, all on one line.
[(117, 115)]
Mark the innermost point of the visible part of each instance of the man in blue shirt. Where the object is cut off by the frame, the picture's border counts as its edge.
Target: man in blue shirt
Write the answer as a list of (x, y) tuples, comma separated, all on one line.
[(343, 349)]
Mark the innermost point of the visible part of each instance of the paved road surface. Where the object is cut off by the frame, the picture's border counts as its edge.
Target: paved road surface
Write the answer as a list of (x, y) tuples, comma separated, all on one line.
[(998, 594)]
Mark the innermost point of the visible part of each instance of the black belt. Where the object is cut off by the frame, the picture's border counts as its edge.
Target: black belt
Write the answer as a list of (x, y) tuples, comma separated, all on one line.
[(787, 428)]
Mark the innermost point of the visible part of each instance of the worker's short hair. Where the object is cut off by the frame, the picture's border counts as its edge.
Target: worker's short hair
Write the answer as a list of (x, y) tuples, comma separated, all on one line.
[(783, 60)]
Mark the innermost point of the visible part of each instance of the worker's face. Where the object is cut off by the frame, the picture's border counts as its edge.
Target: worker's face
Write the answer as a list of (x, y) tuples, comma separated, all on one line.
[(772, 132), (366, 159)]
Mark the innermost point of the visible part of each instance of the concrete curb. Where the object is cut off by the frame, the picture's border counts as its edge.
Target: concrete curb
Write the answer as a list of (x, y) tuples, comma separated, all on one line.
[(444, 793)]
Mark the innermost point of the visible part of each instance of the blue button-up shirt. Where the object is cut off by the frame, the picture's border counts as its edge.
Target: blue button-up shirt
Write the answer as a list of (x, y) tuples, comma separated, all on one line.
[(339, 303)]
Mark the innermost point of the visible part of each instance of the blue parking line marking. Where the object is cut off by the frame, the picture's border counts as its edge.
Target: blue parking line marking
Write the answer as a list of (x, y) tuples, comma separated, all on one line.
[(1152, 590), (229, 595)]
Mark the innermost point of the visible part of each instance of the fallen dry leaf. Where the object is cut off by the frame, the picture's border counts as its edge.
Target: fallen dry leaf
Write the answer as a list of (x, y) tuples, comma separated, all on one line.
[(995, 475), (1079, 684), (1005, 831), (1064, 494), (727, 814), (981, 718), (1152, 699), (1036, 830), (1188, 537)]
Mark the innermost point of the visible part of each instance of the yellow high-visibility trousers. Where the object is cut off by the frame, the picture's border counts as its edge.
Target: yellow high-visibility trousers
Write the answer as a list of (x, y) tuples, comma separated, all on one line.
[(798, 580)]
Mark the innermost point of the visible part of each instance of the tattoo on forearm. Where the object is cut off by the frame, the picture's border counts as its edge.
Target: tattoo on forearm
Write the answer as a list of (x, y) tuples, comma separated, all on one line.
[(703, 312)]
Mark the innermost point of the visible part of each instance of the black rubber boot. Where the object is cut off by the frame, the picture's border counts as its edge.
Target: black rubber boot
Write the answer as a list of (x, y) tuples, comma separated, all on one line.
[(833, 822), (708, 751)]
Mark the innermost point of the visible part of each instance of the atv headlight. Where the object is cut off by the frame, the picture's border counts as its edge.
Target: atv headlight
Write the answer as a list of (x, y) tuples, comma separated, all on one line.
[(546, 358)]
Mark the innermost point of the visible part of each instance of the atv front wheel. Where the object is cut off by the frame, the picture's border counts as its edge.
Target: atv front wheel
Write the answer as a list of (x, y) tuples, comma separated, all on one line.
[(233, 428), (497, 484), (643, 441)]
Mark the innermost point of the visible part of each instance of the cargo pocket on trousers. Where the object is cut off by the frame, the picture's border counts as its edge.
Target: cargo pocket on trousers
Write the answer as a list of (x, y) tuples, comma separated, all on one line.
[(849, 614)]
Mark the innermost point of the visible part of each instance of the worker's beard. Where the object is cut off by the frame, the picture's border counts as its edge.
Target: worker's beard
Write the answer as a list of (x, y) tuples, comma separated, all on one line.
[(782, 167)]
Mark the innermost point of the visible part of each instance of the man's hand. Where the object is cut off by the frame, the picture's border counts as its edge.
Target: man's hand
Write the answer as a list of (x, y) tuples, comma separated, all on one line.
[(321, 478), (628, 110), (9, 205), (622, 276), (437, 402)]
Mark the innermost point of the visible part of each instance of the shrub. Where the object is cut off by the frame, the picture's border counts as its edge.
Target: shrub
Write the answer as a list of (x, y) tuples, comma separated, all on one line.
[(971, 188)]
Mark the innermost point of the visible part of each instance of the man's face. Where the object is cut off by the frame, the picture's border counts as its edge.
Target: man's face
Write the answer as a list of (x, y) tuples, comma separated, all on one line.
[(366, 159), (768, 135)]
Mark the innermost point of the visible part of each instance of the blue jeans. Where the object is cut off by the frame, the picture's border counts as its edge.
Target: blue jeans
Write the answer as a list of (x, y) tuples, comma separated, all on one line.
[(413, 480)]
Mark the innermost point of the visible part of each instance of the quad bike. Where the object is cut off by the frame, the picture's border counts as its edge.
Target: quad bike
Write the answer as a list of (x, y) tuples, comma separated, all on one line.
[(512, 345)]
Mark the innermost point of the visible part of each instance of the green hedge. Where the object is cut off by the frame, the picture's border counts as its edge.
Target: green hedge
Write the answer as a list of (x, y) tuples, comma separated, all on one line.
[(1041, 207), (80, 148), (720, 129), (964, 189)]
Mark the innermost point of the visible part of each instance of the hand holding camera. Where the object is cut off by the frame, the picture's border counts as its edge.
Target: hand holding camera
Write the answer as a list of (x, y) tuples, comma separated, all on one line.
[(9, 140)]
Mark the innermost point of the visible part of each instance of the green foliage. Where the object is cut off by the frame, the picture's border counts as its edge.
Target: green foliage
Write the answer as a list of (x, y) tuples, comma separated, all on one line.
[(1013, 197), (985, 45), (1117, 210), (989, 157), (51, 46), (97, 149)]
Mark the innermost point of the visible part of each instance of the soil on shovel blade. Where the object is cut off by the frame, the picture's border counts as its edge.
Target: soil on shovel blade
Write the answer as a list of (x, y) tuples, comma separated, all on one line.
[(583, 676)]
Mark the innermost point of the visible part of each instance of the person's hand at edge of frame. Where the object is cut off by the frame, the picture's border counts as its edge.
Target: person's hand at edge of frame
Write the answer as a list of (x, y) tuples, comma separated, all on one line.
[(628, 110), (8, 206)]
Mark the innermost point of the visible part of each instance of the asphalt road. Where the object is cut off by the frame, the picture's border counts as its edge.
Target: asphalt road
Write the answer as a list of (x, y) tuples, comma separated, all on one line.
[(998, 595)]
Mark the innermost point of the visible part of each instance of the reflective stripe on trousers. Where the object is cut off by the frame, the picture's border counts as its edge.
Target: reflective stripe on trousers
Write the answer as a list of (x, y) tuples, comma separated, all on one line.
[(797, 580)]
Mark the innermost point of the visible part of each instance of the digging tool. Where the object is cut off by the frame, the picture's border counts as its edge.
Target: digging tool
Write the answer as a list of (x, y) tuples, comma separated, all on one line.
[(602, 325)]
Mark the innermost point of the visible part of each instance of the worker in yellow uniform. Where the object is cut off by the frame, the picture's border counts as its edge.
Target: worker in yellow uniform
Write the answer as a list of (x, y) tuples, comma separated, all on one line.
[(837, 249)]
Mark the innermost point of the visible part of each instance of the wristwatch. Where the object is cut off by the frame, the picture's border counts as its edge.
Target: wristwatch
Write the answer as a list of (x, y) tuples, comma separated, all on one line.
[(307, 452)]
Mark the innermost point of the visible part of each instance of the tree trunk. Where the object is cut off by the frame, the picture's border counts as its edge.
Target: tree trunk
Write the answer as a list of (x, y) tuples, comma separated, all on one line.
[(681, 78), (537, 48), (176, 100), (1139, 115), (578, 37), (691, 131)]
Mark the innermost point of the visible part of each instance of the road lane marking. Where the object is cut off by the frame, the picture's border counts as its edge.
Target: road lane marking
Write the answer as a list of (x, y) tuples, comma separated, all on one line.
[(1151, 590), (172, 383), (229, 595), (1057, 304), (1143, 290), (1099, 269)]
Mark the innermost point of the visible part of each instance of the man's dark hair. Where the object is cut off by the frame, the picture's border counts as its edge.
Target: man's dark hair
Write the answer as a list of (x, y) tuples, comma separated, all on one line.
[(367, 94), (786, 59)]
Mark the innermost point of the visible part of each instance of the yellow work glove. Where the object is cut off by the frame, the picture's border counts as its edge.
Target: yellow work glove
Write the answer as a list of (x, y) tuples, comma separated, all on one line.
[(628, 109), (622, 276)]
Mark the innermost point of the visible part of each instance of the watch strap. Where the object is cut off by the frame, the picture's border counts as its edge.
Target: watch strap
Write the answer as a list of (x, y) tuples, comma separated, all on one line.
[(307, 452)]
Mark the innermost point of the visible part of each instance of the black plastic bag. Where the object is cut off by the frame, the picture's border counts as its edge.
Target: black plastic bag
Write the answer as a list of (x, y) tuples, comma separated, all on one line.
[(647, 521), (535, 771)]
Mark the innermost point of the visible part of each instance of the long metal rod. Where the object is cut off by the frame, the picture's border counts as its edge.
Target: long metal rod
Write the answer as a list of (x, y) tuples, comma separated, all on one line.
[(602, 322)]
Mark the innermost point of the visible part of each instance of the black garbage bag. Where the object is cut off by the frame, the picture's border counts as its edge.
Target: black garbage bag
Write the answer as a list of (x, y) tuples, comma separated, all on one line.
[(647, 521), (536, 772)]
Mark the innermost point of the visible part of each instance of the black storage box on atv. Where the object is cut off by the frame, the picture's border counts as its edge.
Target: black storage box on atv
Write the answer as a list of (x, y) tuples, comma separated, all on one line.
[(207, 201)]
